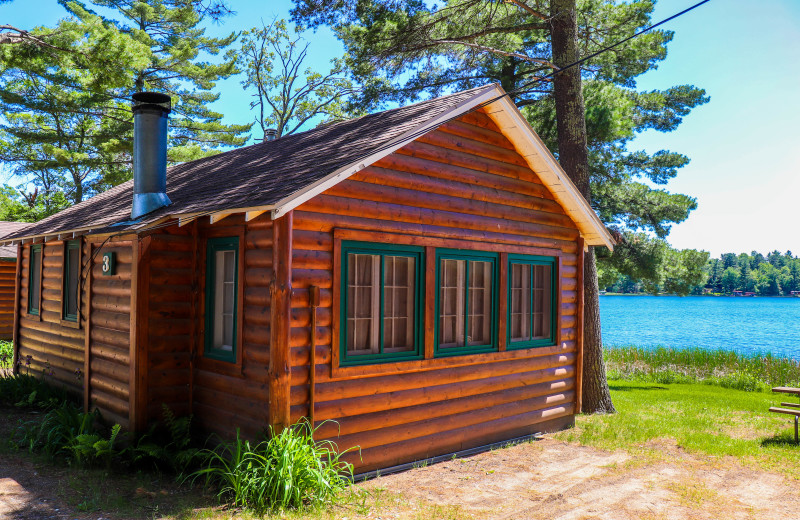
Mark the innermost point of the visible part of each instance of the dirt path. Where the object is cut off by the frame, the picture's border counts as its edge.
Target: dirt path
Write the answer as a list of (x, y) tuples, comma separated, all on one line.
[(554, 480), (547, 479)]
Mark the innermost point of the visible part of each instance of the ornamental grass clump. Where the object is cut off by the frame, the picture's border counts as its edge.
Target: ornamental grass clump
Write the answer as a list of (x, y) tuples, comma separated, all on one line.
[(288, 470)]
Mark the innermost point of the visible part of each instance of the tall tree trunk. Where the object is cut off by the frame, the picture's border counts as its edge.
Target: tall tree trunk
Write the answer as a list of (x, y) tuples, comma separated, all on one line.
[(574, 158)]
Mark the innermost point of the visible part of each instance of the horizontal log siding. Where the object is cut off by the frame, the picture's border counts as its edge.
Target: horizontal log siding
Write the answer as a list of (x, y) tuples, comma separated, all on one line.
[(109, 330), (171, 319), (463, 181), (231, 397), (8, 271), (44, 338)]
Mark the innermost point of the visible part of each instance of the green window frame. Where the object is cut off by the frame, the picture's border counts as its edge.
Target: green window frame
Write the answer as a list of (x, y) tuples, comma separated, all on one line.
[(380, 255), (221, 287), (35, 279), (539, 306), (461, 317), (71, 278)]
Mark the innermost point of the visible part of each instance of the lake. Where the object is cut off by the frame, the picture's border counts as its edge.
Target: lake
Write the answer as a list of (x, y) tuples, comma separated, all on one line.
[(746, 325)]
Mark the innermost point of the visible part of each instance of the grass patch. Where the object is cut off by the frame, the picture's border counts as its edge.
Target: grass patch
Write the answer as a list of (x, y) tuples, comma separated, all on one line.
[(758, 372), (6, 354), (698, 418)]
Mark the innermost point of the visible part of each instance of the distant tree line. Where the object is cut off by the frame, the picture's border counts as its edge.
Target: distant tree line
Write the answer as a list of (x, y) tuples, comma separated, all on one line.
[(776, 274)]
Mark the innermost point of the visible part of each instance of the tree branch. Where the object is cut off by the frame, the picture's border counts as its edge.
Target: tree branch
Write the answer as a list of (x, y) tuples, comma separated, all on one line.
[(500, 52)]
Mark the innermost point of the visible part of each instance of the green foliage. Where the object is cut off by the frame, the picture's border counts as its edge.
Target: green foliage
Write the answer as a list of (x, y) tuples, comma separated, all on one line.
[(724, 368), (59, 430), (698, 418), (67, 122), (401, 51), (6, 355), (650, 265), (286, 95), (289, 470), (27, 391), (776, 275), (168, 446), (92, 448)]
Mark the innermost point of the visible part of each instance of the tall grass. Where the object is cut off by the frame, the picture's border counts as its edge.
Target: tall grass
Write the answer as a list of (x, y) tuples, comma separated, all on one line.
[(757, 372), (288, 470)]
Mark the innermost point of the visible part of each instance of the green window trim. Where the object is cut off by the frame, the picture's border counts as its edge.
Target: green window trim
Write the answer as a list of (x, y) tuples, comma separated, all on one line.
[(67, 287), (532, 261), (382, 250), (214, 246), (468, 256), (34, 274)]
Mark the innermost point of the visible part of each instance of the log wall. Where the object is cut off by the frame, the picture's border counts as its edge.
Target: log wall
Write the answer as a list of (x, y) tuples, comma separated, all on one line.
[(109, 339), (55, 349), (462, 186), (8, 272), (167, 319), (230, 395)]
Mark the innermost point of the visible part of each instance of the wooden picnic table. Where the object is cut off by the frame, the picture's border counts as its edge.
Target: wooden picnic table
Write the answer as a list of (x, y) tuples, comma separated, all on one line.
[(794, 407)]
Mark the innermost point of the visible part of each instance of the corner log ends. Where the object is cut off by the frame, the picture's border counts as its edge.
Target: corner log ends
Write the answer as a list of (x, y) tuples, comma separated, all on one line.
[(281, 309)]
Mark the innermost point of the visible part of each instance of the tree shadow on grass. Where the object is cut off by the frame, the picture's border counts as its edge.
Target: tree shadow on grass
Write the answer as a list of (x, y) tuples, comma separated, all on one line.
[(629, 388), (783, 440)]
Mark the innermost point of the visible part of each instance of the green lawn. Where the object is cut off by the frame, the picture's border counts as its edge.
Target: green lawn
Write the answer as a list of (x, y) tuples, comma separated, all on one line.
[(700, 418)]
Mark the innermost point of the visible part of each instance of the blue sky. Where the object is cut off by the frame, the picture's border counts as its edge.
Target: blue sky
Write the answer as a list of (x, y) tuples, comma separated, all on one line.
[(744, 170)]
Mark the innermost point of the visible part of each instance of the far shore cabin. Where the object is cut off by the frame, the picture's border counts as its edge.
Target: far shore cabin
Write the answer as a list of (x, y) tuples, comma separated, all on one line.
[(410, 280)]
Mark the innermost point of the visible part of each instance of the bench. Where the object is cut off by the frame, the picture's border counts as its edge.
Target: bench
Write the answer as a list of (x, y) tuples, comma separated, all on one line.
[(793, 409)]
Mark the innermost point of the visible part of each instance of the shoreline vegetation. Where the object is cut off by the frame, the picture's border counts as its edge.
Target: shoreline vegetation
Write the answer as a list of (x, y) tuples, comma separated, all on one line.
[(757, 372), (776, 274)]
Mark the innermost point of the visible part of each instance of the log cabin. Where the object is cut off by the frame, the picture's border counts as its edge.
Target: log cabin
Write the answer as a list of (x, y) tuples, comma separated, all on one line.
[(410, 280), (8, 269)]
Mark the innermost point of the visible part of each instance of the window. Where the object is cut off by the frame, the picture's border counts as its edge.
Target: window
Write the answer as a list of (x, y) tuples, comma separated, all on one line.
[(466, 302), (72, 270), (381, 298), (222, 287), (531, 301), (35, 280)]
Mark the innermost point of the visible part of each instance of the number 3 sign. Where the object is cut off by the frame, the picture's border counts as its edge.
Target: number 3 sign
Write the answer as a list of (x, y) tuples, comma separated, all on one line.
[(109, 264)]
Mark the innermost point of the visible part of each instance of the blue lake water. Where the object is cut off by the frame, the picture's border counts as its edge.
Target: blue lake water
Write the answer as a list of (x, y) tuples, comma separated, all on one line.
[(746, 325)]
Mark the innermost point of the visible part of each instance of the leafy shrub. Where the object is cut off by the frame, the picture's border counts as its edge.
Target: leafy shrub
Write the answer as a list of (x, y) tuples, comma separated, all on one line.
[(288, 470), (91, 448), (58, 430), (169, 446), (26, 391)]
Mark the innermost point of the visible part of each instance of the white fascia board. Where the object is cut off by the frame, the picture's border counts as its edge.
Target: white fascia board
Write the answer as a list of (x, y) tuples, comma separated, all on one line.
[(292, 201), (528, 144)]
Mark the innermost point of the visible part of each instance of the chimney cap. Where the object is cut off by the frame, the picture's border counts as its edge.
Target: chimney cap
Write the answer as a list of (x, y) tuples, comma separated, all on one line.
[(152, 100), (270, 134)]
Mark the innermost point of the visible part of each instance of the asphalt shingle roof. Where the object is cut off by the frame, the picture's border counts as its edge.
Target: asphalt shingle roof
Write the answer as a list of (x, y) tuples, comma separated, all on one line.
[(8, 228), (258, 175)]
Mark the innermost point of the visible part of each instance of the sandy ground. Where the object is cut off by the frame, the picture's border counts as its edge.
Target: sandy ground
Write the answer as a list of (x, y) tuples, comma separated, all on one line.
[(546, 479), (549, 479)]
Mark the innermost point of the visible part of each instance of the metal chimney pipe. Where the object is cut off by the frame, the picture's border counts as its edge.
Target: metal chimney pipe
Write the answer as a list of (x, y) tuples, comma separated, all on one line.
[(270, 134), (150, 111)]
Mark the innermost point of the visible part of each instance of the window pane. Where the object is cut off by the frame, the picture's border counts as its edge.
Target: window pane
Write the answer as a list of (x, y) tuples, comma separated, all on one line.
[(363, 306), (71, 290), (35, 285), (224, 300), (542, 298), (480, 303), (520, 302), (452, 296), (399, 274)]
